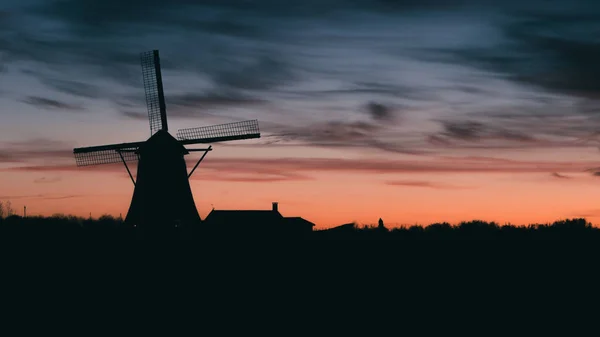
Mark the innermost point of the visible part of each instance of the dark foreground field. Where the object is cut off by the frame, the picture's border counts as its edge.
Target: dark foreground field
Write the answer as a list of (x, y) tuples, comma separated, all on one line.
[(61, 227), (472, 277)]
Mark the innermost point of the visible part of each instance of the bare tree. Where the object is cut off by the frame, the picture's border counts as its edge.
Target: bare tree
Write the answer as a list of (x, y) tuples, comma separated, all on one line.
[(1, 210), (8, 208)]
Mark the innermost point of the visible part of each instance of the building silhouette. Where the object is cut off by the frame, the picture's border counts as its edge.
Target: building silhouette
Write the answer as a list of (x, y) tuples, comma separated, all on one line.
[(259, 222)]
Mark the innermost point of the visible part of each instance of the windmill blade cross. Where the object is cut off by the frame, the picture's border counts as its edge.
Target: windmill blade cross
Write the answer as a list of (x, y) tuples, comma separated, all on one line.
[(219, 133)]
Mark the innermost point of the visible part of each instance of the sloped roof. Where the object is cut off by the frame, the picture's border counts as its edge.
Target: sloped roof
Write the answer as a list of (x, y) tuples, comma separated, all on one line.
[(243, 216), (341, 228), (298, 221), (163, 140), (256, 217)]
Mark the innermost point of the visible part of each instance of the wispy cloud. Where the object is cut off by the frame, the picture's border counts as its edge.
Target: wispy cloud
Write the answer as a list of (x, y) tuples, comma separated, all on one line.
[(49, 103), (550, 49), (34, 149), (419, 59), (41, 196), (47, 180), (249, 177), (300, 168), (212, 99), (425, 184), (591, 213), (73, 87), (476, 131), (135, 114), (342, 134)]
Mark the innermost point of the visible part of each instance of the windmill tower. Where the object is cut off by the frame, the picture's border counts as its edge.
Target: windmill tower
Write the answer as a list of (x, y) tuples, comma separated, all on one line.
[(162, 197)]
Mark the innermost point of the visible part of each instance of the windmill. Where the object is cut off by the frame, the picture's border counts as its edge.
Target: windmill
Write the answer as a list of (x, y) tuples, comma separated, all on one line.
[(162, 197)]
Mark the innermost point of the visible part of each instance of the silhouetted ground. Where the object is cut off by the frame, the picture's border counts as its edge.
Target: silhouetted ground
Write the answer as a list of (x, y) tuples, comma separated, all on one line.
[(62, 227), (475, 272)]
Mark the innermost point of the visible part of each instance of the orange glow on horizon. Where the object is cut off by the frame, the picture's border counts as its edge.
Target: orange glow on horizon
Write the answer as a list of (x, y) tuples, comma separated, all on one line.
[(339, 199)]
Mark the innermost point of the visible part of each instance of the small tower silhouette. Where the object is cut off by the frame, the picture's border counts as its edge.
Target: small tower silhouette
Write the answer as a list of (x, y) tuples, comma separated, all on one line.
[(381, 226)]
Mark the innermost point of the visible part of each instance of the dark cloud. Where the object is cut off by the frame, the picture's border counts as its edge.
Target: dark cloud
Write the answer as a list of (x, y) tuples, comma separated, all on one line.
[(72, 87), (379, 111), (48, 103), (339, 134), (134, 114), (365, 89), (232, 44), (547, 128), (212, 99), (101, 38), (474, 132), (468, 130), (594, 171), (262, 73), (93, 14), (76, 57), (555, 51), (333, 132), (560, 176), (249, 53), (200, 104)]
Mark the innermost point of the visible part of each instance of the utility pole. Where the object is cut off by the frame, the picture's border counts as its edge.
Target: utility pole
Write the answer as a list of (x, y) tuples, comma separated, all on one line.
[(24, 211)]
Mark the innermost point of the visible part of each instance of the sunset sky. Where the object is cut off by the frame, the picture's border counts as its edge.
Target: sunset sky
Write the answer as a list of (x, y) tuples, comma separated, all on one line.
[(413, 111)]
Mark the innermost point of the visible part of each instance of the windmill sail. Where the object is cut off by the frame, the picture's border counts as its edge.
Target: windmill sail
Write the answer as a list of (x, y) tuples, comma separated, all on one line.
[(106, 154), (219, 133), (155, 99)]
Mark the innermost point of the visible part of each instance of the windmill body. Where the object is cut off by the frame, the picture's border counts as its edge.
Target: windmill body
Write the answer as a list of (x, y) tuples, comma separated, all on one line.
[(162, 194), (162, 198)]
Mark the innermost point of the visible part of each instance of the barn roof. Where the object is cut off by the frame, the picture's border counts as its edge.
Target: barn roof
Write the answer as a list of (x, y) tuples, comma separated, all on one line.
[(258, 217), (298, 221), (245, 216)]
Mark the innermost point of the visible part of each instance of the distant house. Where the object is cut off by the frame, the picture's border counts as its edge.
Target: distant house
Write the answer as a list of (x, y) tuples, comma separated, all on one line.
[(257, 222)]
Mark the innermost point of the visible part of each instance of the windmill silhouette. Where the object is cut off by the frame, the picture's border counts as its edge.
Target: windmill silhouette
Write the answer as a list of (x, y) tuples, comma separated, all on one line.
[(162, 197)]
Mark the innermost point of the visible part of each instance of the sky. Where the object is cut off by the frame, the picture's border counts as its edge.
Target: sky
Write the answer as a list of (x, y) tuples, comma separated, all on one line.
[(411, 111)]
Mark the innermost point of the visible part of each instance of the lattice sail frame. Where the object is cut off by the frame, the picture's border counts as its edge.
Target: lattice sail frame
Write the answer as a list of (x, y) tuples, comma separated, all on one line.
[(110, 156), (153, 88), (218, 133)]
